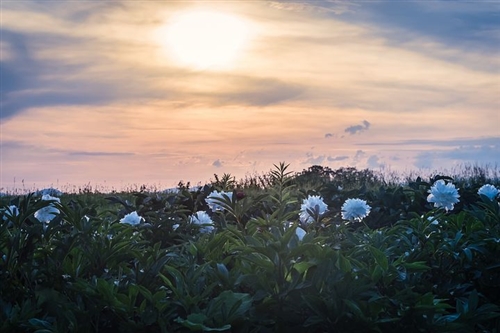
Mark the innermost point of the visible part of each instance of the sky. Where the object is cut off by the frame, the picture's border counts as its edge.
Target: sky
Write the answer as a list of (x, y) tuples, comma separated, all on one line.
[(114, 93)]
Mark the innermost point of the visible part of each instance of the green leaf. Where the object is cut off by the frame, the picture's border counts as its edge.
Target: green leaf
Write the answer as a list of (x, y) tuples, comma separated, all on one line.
[(223, 272), (105, 289), (133, 291), (377, 273), (41, 323), (354, 308), (159, 296), (146, 293), (228, 307), (417, 266), (473, 300), (123, 299), (303, 266), (468, 254), (197, 318), (178, 286), (142, 307), (195, 322), (380, 258), (317, 305), (344, 264)]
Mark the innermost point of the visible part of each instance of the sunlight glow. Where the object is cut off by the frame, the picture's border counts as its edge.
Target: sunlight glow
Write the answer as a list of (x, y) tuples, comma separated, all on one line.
[(206, 39)]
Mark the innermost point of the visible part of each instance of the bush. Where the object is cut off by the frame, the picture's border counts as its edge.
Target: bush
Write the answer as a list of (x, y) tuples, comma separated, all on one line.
[(407, 266)]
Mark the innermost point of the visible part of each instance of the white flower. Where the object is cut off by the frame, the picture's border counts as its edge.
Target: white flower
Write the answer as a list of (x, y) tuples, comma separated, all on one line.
[(488, 190), (10, 211), (443, 195), (203, 220), (132, 218), (311, 203), (355, 209), (50, 191), (175, 226), (47, 213), (300, 233), (214, 204)]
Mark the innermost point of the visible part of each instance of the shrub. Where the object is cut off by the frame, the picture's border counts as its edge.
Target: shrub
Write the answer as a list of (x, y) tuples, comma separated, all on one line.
[(402, 265)]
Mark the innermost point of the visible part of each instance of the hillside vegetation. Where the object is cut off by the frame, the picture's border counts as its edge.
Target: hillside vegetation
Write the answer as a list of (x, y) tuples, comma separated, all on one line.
[(322, 250)]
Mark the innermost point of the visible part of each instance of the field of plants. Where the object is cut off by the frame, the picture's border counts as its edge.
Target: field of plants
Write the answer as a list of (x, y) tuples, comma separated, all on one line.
[(317, 251)]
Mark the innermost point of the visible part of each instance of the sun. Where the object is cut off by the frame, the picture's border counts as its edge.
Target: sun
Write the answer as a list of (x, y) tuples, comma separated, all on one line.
[(206, 39)]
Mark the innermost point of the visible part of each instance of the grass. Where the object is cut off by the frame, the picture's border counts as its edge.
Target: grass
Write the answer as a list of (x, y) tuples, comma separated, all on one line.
[(463, 175)]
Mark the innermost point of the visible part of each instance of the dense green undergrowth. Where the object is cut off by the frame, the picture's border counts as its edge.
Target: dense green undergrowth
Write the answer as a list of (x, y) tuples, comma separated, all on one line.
[(407, 266)]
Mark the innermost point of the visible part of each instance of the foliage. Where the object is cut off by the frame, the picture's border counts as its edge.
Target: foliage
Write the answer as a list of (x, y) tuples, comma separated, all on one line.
[(406, 266)]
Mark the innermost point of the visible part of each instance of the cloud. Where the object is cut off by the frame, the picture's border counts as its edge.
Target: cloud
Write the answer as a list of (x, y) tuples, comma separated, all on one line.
[(314, 160), (30, 80), (337, 158), (96, 153), (489, 141), (258, 91), (358, 156), (80, 68), (326, 6), (458, 24), (354, 129), (328, 135), (424, 160), (358, 128), (374, 162), (56, 69), (217, 163), (476, 154), (11, 146)]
